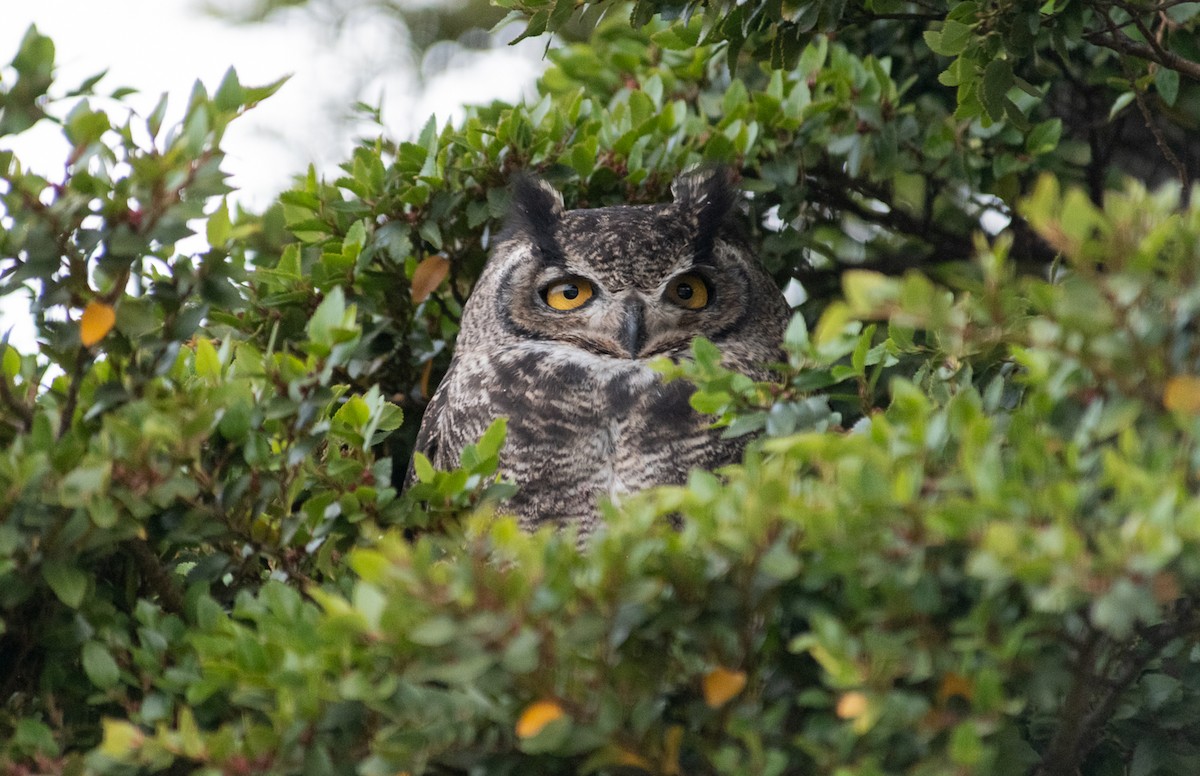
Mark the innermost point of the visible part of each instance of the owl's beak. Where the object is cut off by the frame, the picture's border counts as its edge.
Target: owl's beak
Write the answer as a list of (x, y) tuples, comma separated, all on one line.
[(633, 327)]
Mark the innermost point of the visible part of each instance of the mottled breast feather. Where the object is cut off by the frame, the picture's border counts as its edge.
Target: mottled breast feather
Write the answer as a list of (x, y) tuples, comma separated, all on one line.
[(559, 331)]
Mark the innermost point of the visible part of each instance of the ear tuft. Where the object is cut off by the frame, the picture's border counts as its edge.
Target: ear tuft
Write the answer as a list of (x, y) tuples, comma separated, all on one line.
[(536, 206), (708, 191), (710, 196)]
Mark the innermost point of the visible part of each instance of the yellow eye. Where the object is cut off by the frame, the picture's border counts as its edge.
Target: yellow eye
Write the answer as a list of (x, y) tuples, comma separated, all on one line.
[(689, 292), (568, 294)]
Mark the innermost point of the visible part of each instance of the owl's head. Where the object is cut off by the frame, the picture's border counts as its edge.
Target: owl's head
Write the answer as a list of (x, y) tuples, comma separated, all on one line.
[(630, 282)]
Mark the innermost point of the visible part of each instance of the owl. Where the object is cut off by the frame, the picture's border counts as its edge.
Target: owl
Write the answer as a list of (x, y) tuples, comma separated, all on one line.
[(560, 330)]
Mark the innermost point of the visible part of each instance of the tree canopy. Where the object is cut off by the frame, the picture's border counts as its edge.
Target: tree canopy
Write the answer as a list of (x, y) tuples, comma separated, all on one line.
[(966, 540)]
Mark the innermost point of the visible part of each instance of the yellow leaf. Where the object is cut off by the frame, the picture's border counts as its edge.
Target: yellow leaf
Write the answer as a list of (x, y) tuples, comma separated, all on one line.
[(852, 705), (954, 685), (869, 293), (120, 738), (537, 716), (672, 743), (190, 735), (97, 321), (834, 323), (633, 760), (1183, 394), (428, 275), (721, 685)]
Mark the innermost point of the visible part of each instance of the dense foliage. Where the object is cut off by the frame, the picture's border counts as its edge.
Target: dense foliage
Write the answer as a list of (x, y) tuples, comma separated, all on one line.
[(966, 543)]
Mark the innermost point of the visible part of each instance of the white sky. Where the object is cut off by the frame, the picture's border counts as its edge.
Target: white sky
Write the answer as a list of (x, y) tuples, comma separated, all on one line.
[(158, 46)]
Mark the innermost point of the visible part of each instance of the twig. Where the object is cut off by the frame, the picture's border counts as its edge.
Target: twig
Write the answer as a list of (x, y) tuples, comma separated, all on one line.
[(836, 194), (1153, 40), (155, 577), (1096, 692), (834, 190), (23, 413), (1161, 142), (72, 392), (1126, 45)]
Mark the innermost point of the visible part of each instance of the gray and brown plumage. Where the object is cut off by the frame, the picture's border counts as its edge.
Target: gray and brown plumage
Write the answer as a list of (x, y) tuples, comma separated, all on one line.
[(559, 330)]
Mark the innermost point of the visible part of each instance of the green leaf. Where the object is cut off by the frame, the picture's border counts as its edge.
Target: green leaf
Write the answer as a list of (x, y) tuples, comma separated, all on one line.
[(858, 359), (710, 402), (85, 481), (230, 95), (433, 632), (561, 14), (356, 238), (1166, 81), (677, 37), (99, 665), (780, 563), (706, 354), (951, 40), (1118, 609), (10, 365), (208, 363), (85, 126), (370, 565), (1044, 137), (836, 321), (235, 421), (155, 119), (369, 601), (252, 95), (1159, 689), (35, 736), (196, 127), (390, 418), (68, 582), (219, 227), (1121, 103), (423, 468), (354, 413), (520, 655), (104, 513), (493, 439), (796, 335), (868, 292), (993, 90), (35, 55), (431, 232), (328, 316), (966, 746)]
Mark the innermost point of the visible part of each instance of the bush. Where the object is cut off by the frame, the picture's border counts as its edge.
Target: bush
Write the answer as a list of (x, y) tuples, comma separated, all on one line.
[(966, 542)]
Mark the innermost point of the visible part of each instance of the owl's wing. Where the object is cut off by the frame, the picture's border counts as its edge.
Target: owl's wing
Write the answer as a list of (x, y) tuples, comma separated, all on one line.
[(429, 436)]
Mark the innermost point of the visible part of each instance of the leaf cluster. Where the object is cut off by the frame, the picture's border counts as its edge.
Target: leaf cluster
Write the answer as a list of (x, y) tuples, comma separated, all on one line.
[(993, 570), (966, 542)]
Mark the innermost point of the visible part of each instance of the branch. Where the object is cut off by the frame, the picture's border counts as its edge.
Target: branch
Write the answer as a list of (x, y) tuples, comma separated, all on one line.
[(835, 190), (1123, 43), (23, 413), (1154, 40), (68, 413), (866, 17), (154, 576), (1100, 690), (1161, 141)]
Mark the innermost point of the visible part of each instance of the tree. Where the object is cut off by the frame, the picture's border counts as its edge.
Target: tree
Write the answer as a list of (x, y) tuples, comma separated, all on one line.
[(965, 543)]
